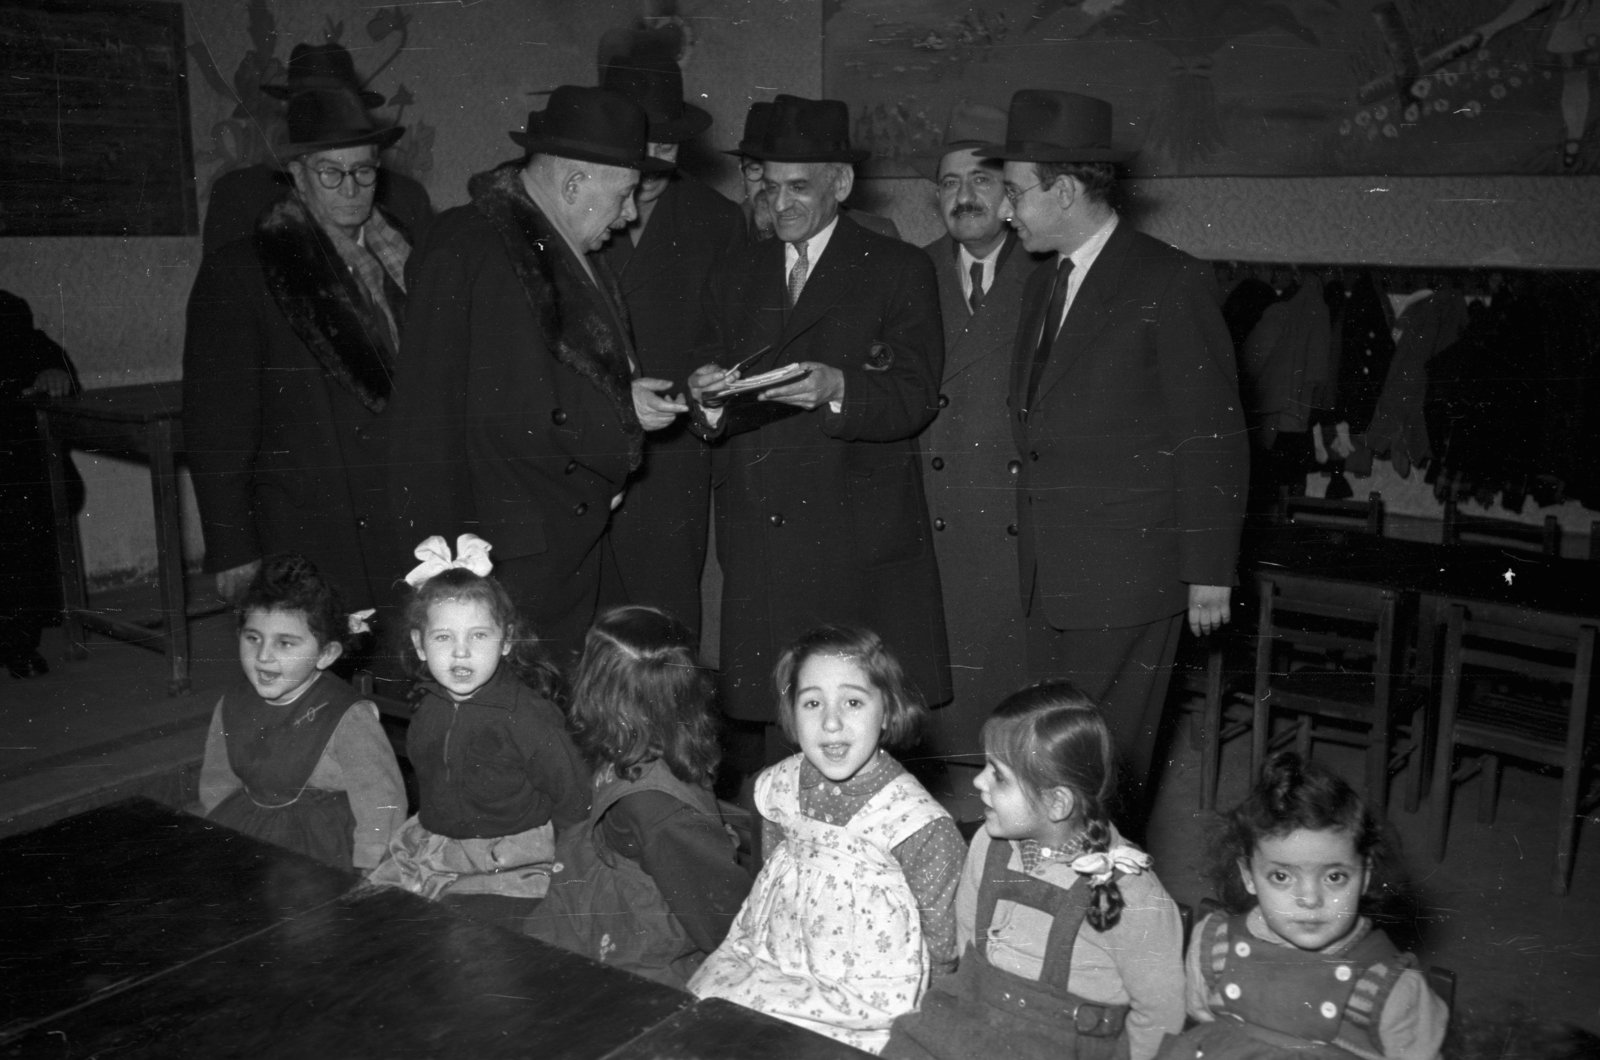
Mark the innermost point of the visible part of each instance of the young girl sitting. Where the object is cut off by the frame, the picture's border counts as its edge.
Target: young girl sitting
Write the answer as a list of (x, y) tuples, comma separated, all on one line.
[(1294, 969), (852, 909), (1070, 945), (497, 774), (295, 756), (650, 882)]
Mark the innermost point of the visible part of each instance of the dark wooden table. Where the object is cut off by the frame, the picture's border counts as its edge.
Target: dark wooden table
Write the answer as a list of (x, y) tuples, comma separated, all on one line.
[(137, 931), (142, 421)]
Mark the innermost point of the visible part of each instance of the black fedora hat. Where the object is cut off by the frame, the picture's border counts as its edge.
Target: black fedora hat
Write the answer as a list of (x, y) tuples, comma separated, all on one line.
[(655, 83), (322, 66), (972, 125), (591, 125), (755, 122), (322, 119), (805, 130), (1046, 125)]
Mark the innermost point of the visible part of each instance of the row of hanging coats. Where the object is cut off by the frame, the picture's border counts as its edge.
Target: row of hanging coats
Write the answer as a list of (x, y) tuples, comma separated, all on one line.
[(1490, 381)]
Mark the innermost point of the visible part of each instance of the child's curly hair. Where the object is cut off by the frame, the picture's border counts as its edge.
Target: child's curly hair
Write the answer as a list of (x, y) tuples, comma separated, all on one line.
[(903, 708), (1290, 794), (527, 657), (287, 581), (1051, 735), (638, 695)]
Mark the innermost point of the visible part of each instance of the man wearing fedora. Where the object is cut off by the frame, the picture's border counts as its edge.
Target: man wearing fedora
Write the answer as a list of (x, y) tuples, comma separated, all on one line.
[(819, 503), (291, 341), (660, 262), (968, 458), (238, 197), (519, 410), (1132, 461)]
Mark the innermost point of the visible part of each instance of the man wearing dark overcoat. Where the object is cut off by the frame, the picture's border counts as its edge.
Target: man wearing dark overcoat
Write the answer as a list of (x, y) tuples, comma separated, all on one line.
[(819, 504), (1126, 417), (291, 341), (519, 411), (660, 262), (969, 461)]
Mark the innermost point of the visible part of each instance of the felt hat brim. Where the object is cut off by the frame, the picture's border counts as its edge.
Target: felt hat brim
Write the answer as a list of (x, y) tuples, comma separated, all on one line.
[(927, 165), (1034, 151), (369, 99), (690, 122), (587, 152), (383, 139), (805, 153)]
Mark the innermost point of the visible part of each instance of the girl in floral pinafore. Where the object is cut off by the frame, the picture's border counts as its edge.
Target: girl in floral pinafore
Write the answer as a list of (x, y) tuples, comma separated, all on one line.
[(853, 910)]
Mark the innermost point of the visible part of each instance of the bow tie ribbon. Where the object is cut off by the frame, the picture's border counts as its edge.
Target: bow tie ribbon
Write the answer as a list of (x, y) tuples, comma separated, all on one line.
[(472, 552), (1100, 865)]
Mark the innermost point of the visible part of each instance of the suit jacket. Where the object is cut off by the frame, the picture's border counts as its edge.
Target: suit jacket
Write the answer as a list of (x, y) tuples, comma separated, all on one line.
[(659, 534), (969, 467), (513, 412), (286, 374), (240, 196), (1134, 459), (821, 516)]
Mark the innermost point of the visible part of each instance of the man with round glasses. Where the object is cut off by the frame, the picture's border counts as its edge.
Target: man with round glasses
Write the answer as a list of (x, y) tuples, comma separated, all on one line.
[(288, 357)]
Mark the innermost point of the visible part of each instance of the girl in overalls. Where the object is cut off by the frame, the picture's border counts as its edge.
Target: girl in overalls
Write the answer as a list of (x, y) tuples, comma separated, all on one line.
[(1293, 969), (853, 909), (1071, 947), (295, 756), (651, 881)]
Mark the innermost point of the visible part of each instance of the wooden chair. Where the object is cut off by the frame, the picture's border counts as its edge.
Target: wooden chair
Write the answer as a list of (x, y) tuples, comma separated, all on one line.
[(1364, 515), (1329, 652), (1218, 694), (1506, 533), (1516, 683)]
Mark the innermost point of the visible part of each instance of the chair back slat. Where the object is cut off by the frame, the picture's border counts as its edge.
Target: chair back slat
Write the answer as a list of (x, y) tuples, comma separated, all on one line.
[(1364, 515)]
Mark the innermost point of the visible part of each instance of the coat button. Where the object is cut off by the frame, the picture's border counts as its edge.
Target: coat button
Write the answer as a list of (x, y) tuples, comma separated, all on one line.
[(1012, 529), (944, 401), (580, 508), (938, 524), (572, 465), (1034, 456), (1014, 466), (938, 463), (361, 432), (558, 416), (775, 519)]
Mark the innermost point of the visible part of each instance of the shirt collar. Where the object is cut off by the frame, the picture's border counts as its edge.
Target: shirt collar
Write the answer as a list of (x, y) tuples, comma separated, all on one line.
[(864, 781), (814, 247), (501, 691), (1084, 256), (1257, 925), (967, 260)]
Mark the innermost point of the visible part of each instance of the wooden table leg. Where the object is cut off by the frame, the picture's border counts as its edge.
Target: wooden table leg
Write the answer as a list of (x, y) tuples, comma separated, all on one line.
[(169, 553), (74, 598)]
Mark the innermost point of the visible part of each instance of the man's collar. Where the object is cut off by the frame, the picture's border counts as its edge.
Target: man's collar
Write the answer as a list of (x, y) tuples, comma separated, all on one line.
[(817, 243), (1090, 249), (967, 258)]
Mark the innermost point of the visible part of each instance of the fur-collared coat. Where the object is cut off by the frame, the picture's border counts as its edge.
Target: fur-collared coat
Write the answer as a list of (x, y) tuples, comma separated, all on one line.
[(286, 371), (513, 411)]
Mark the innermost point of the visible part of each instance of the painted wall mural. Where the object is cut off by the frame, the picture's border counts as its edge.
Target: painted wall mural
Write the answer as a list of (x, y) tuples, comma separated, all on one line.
[(1244, 87)]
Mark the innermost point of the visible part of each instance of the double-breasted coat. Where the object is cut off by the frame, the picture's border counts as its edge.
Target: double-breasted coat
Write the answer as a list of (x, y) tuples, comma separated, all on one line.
[(659, 534), (970, 470), (513, 412), (821, 517), (1133, 459), (286, 376)]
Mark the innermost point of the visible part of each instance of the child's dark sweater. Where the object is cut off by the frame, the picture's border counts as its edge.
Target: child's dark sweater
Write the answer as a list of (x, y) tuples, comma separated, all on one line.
[(497, 764)]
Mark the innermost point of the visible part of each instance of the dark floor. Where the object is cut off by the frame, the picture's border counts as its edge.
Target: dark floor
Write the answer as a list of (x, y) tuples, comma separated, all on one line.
[(102, 728)]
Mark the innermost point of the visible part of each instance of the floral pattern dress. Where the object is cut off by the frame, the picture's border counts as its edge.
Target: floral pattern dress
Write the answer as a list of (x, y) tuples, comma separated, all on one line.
[(830, 937)]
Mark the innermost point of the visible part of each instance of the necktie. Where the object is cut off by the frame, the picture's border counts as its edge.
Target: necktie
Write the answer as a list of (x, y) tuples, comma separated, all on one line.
[(975, 299), (1052, 324), (797, 275)]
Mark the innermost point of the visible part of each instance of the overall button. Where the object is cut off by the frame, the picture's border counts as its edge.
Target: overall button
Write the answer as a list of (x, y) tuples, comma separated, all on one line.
[(938, 524), (1342, 973), (944, 401), (1242, 948), (572, 465), (1232, 991), (1329, 1010), (1012, 529), (1014, 466), (581, 508), (775, 519), (558, 416), (938, 463)]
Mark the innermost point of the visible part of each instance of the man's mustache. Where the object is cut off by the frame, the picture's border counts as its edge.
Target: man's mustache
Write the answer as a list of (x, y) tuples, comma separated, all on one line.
[(965, 208)]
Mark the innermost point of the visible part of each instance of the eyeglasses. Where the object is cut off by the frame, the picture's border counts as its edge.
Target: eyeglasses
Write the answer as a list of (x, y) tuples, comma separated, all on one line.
[(1013, 193), (753, 170), (332, 177)]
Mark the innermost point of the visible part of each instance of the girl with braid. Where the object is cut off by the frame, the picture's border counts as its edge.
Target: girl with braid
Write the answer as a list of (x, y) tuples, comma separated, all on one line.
[(1071, 947)]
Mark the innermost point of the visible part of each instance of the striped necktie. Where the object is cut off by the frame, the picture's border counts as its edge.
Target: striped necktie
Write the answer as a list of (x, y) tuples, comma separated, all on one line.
[(797, 275)]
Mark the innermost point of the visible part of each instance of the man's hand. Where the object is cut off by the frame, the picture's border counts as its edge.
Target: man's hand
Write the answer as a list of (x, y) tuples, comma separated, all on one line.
[(656, 411), (1208, 608), (232, 583), (53, 382), (819, 386), (707, 376)]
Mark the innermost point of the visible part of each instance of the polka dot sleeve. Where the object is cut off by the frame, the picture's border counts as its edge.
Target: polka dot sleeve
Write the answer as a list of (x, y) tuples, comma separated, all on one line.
[(931, 859)]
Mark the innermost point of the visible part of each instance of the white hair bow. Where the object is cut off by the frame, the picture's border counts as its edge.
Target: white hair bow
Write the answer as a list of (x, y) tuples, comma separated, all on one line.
[(1100, 865), (472, 552), (361, 621)]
